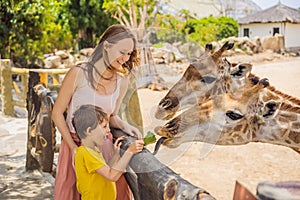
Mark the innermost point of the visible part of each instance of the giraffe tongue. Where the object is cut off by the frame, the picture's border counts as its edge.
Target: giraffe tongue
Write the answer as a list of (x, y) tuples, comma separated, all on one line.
[(158, 143)]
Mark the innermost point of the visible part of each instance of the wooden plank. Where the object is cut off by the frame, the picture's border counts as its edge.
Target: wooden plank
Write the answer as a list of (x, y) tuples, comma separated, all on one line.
[(49, 71), (155, 180)]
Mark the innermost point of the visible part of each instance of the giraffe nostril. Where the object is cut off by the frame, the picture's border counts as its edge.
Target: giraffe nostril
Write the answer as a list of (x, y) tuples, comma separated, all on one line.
[(164, 103), (169, 103), (169, 125)]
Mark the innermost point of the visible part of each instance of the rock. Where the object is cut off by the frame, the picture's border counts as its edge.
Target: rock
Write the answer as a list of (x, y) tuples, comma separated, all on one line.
[(86, 51), (52, 62), (62, 54)]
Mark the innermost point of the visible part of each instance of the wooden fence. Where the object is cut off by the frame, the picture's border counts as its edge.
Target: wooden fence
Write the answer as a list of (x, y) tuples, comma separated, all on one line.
[(7, 84)]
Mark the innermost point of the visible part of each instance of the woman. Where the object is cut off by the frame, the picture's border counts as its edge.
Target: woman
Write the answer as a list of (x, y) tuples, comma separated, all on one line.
[(97, 82)]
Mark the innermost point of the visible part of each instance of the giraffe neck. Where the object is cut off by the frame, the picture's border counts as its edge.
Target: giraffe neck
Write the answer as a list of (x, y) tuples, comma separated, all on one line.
[(288, 101), (284, 128), (280, 131)]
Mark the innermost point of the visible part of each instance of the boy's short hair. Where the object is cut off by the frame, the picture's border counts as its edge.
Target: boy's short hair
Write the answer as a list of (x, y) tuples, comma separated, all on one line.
[(87, 116)]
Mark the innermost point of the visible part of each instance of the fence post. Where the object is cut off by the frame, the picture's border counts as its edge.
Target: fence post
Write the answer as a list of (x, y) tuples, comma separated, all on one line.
[(24, 79), (6, 88)]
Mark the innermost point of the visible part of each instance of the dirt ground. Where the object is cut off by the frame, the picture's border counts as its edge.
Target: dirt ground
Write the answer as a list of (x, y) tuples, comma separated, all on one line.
[(213, 168)]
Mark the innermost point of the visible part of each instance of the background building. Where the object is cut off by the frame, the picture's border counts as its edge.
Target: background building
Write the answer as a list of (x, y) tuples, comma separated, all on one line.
[(279, 19)]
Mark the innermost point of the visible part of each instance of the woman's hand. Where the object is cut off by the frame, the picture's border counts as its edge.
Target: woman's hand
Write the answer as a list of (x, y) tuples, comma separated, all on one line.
[(73, 151), (133, 131), (116, 122)]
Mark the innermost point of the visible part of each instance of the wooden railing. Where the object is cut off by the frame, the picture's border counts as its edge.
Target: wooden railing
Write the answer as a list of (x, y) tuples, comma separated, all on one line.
[(7, 84)]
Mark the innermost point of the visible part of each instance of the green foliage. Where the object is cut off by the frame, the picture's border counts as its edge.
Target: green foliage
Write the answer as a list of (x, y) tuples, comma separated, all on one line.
[(56, 31), (149, 138), (210, 29), (227, 27), (6, 14), (22, 26), (86, 19), (168, 29), (205, 30), (30, 28)]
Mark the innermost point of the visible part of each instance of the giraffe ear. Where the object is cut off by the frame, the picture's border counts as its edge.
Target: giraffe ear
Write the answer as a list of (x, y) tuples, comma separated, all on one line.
[(241, 70)]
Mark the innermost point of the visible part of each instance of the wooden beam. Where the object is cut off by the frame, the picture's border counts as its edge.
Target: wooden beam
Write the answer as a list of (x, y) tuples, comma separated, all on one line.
[(155, 180)]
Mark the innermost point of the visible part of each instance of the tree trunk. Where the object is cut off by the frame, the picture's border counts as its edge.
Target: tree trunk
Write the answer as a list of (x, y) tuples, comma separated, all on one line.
[(157, 181)]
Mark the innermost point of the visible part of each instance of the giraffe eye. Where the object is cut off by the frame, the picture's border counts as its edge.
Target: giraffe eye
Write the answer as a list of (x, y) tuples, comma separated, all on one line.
[(208, 79), (233, 115)]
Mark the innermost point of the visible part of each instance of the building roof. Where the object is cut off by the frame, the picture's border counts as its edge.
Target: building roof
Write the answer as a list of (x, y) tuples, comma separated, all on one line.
[(277, 13)]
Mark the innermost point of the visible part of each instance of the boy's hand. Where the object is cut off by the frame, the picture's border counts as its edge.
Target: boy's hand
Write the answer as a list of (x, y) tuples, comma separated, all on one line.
[(118, 143), (136, 146)]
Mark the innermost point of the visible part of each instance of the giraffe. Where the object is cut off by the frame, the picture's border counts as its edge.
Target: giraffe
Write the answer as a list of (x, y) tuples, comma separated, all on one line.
[(251, 114), (209, 75)]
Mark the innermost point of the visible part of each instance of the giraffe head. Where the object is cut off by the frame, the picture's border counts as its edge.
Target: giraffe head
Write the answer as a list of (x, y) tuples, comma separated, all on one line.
[(225, 119), (208, 76)]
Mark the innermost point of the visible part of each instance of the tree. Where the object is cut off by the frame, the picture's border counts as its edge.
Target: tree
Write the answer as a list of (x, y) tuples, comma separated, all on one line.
[(21, 27), (87, 20), (208, 29), (136, 14), (29, 29), (227, 27), (169, 28)]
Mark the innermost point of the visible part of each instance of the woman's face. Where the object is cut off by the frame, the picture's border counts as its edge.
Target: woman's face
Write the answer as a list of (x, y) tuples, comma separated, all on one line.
[(120, 52)]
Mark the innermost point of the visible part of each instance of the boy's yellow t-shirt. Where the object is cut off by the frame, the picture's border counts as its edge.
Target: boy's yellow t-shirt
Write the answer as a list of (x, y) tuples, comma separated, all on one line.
[(90, 184)]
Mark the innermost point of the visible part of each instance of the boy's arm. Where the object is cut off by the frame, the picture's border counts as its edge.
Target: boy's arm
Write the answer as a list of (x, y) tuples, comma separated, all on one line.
[(114, 172), (115, 158), (116, 154)]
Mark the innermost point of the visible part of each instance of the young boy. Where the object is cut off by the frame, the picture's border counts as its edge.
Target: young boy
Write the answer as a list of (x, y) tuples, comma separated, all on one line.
[(95, 179)]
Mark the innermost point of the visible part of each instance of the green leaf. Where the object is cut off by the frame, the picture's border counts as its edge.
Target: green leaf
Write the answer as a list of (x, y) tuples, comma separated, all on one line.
[(149, 138)]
